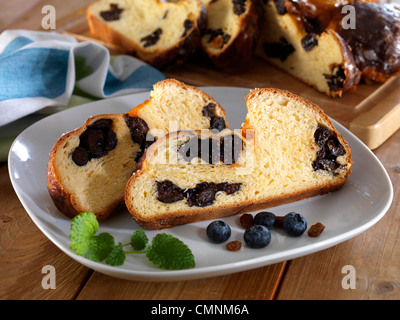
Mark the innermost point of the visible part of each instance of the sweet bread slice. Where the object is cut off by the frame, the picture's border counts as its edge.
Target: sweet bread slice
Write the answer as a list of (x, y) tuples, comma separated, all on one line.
[(287, 150), (306, 49), (232, 31), (158, 32), (88, 167)]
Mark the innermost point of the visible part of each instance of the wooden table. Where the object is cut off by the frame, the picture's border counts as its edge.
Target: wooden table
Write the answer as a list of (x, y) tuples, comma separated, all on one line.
[(24, 250)]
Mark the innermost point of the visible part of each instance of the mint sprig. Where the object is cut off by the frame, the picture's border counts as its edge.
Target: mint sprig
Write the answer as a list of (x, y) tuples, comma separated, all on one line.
[(165, 251)]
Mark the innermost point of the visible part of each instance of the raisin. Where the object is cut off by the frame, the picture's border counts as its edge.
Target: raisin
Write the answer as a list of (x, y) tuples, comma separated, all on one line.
[(205, 197), (282, 49), (216, 123), (321, 135), (213, 154), (229, 188), (187, 24), (278, 222), (239, 6), (335, 148), (111, 140), (233, 245), (138, 128), (246, 220), (330, 149), (201, 196), (168, 192), (227, 150), (190, 149), (323, 153), (209, 110), (336, 79), (218, 38), (152, 38), (231, 148), (206, 149), (309, 42), (139, 134), (113, 14), (316, 229), (101, 124), (325, 164), (204, 193), (95, 142), (80, 156), (312, 25)]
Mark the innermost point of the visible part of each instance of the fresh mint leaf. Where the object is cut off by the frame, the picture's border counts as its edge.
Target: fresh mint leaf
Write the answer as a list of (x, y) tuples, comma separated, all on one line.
[(83, 226), (116, 256), (165, 250), (83, 240), (168, 252), (99, 247), (139, 240)]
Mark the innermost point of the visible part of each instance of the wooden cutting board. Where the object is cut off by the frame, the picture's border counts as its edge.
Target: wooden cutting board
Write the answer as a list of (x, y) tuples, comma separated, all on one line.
[(371, 112)]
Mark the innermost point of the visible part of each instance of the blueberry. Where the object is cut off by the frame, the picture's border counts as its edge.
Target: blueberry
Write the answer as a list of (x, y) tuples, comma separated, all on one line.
[(257, 236), (218, 231), (294, 224), (267, 219)]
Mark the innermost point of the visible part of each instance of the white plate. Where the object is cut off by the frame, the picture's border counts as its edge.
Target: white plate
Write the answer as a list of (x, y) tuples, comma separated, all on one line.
[(363, 200)]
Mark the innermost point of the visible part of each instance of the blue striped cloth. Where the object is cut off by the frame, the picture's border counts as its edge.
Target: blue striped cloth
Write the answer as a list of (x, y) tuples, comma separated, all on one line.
[(44, 69)]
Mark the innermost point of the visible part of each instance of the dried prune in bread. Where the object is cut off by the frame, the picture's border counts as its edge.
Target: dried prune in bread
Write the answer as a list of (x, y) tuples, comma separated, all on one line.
[(113, 14), (95, 142)]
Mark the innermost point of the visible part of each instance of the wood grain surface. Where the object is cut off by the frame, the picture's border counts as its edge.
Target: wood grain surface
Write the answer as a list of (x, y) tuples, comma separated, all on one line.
[(375, 254)]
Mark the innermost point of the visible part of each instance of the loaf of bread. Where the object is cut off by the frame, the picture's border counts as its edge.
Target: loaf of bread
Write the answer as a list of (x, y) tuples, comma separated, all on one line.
[(158, 32), (375, 40), (304, 49), (88, 167), (305, 38), (286, 150), (232, 31), (318, 43)]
